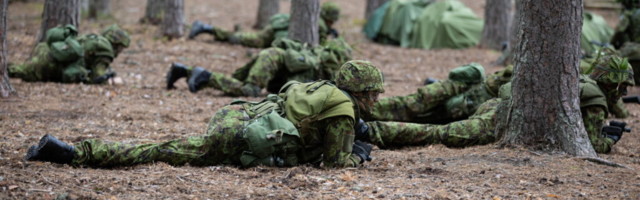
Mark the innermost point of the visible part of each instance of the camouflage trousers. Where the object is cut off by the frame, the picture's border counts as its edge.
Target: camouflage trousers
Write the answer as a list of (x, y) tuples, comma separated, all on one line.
[(478, 129), (267, 70), (221, 144), (41, 67), (419, 106), (260, 39)]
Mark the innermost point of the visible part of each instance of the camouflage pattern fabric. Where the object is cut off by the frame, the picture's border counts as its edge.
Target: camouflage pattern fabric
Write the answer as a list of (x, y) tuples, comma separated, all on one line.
[(410, 108), (268, 70), (262, 38), (328, 145), (42, 67), (631, 50), (99, 54), (628, 29), (221, 144), (477, 130)]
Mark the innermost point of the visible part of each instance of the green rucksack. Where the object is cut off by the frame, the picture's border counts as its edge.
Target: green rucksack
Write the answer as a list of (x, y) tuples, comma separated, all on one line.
[(66, 51), (60, 33), (272, 139)]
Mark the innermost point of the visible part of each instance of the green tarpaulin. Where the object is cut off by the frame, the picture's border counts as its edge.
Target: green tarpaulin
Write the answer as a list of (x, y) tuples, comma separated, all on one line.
[(422, 24), (446, 24), (450, 24)]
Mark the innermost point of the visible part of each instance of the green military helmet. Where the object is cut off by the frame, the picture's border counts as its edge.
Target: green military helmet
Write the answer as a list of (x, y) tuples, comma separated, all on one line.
[(360, 76), (116, 35), (610, 68), (330, 12)]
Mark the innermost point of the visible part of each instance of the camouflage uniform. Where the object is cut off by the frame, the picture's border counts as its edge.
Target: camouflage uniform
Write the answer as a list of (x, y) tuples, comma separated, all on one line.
[(318, 120), (97, 53), (271, 69), (278, 28), (479, 128), (440, 102), (627, 34)]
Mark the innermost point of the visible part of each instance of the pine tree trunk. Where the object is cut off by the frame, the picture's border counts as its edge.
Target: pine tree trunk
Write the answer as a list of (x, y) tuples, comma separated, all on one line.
[(153, 12), (544, 111), (497, 16), (59, 12), (5, 86), (173, 22), (304, 21), (266, 9), (99, 8), (372, 5)]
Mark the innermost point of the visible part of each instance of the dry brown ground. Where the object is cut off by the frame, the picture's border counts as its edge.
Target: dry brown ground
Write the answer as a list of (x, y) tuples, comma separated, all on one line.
[(140, 110)]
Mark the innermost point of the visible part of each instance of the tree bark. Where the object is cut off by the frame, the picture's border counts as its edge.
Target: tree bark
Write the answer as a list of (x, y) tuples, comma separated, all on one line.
[(304, 21), (173, 22), (59, 12), (372, 5), (544, 111), (5, 86), (266, 9), (153, 12), (497, 20), (99, 8), (507, 55)]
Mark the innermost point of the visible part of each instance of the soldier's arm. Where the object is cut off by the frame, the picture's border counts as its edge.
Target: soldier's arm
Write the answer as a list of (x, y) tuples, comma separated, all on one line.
[(618, 110), (594, 118), (338, 141)]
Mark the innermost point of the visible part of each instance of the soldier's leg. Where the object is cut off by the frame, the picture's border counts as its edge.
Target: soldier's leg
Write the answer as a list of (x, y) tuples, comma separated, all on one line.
[(477, 130), (36, 68), (266, 67), (222, 144), (260, 39), (408, 108)]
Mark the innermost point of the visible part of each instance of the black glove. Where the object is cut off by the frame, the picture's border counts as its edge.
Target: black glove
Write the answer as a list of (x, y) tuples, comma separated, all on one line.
[(613, 132), (362, 131), (362, 150), (622, 125), (334, 32), (103, 78)]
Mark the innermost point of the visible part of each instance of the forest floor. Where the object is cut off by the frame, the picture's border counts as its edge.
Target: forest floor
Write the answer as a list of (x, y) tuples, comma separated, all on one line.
[(140, 110)]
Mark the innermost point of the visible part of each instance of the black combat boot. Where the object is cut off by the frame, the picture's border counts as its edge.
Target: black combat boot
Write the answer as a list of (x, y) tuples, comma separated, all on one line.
[(51, 149), (176, 71), (430, 80), (198, 27), (199, 77)]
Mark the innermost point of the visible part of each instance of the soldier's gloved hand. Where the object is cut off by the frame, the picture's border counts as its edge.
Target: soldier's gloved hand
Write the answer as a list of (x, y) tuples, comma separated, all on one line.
[(622, 125), (362, 131), (362, 150), (613, 132), (334, 32)]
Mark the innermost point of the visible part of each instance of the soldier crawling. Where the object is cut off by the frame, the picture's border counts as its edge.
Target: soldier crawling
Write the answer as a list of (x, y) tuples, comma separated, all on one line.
[(66, 58), (305, 123)]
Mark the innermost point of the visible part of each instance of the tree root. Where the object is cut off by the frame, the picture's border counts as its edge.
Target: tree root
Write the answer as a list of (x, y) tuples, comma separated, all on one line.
[(602, 162)]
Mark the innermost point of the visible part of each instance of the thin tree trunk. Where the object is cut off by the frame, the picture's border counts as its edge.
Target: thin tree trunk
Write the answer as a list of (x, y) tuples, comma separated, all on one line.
[(5, 86), (507, 55), (59, 12), (173, 22), (497, 18), (372, 5), (153, 12), (544, 111), (99, 8), (304, 21), (266, 9)]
